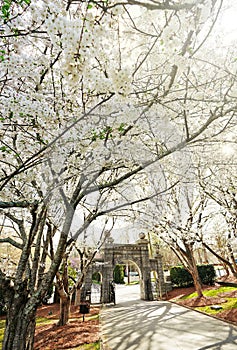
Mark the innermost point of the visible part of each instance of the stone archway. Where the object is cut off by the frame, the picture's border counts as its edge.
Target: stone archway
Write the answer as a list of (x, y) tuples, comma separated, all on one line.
[(138, 253)]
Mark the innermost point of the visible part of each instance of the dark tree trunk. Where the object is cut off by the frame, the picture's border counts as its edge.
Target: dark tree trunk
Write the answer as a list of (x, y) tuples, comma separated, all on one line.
[(65, 304), (20, 325)]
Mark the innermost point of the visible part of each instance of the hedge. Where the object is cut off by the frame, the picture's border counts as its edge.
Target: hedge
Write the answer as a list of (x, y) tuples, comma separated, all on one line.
[(180, 277), (119, 274)]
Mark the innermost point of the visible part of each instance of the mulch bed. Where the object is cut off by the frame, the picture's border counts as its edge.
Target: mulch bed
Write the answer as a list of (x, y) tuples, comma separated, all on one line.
[(75, 333), (227, 315)]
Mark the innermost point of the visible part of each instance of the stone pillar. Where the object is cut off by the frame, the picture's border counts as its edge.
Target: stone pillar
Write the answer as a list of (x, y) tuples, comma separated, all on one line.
[(107, 270), (161, 279), (86, 289), (146, 289)]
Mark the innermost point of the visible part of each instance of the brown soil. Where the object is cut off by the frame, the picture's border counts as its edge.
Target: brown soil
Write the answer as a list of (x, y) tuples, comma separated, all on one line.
[(74, 334)]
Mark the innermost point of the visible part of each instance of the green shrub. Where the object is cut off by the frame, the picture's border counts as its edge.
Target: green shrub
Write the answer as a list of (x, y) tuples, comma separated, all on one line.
[(119, 274), (96, 277), (207, 274), (180, 277)]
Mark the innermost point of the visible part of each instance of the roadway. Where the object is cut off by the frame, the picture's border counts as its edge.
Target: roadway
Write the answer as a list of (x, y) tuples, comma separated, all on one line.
[(134, 324)]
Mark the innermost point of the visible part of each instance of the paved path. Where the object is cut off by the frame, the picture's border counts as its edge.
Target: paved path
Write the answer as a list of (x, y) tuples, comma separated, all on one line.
[(161, 325)]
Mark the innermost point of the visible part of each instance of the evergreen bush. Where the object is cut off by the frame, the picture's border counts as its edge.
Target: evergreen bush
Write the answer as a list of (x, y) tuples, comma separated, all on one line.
[(119, 274), (180, 277)]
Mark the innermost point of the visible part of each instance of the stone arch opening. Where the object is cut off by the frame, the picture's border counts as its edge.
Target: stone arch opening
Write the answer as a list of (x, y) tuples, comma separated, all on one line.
[(96, 286), (97, 277), (132, 271), (131, 275)]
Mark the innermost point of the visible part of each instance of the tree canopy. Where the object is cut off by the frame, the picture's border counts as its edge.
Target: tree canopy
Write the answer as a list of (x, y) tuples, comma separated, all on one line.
[(105, 105)]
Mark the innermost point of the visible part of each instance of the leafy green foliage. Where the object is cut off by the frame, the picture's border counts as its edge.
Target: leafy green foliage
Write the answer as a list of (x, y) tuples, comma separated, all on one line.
[(27, 2), (119, 274), (96, 277), (180, 277), (207, 274), (6, 7), (107, 132), (121, 127), (2, 53), (72, 273), (5, 149)]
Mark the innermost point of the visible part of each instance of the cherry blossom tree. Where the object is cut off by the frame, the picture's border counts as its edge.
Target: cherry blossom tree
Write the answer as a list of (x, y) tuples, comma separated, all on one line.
[(179, 229), (218, 183), (65, 284), (95, 96)]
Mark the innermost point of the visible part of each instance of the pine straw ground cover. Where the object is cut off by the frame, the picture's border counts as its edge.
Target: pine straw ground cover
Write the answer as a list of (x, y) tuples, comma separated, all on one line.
[(75, 335), (224, 297)]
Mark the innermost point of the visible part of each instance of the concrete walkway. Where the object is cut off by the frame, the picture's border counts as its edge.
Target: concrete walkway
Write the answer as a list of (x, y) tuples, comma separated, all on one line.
[(161, 325)]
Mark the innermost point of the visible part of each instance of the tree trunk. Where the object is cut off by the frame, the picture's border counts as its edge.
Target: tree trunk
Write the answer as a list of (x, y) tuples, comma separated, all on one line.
[(78, 297), (20, 325), (206, 261), (194, 271), (65, 304), (199, 255), (226, 269), (197, 284)]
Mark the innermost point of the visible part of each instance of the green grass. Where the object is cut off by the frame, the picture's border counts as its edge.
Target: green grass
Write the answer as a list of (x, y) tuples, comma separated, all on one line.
[(131, 283), (231, 303), (92, 346), (2, 327), (40, 321), (87, 317), (211, 293)]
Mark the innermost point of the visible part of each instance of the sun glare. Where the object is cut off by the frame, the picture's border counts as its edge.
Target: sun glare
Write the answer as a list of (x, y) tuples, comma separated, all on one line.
[(228, 21), (227, 150)]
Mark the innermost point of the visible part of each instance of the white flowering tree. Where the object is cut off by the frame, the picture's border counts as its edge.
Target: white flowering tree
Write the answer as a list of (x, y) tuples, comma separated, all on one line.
[(179, 229), (218, 183), (65, 284), (92, 95)]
